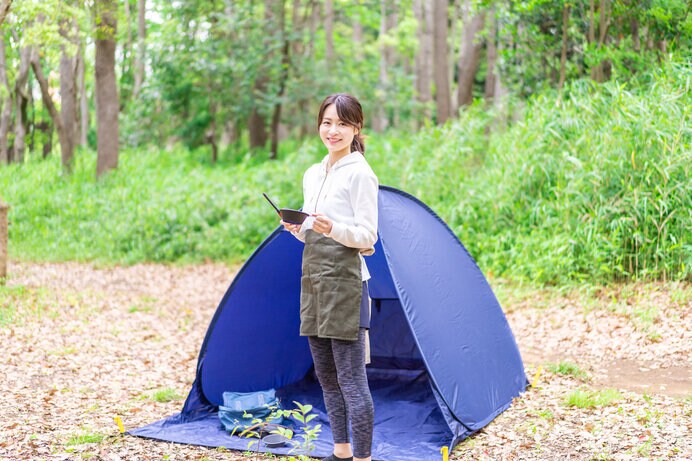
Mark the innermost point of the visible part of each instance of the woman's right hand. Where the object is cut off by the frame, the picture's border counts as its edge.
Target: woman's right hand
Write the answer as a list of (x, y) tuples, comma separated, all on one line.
[(290, 227)]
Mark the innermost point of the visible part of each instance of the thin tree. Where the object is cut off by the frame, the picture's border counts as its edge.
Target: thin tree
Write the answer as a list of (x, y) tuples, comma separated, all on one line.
[(469, 53), (599, 72), (68, 91), (563, 52), (107, 105), (68, 105), (440, 53), (491, 57), (357, 26), (280, 17), (387, 23), (5, 106), (83, 100), (21, 101), (257, 123), (422, 10), (141, 47), (329, 29), (4, 9)]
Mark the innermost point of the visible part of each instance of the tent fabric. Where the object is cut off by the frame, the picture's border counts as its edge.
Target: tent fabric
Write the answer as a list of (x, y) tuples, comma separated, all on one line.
[(444, 360)]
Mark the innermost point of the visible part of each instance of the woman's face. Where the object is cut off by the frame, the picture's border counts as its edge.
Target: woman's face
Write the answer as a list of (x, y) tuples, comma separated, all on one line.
[(335, 134)]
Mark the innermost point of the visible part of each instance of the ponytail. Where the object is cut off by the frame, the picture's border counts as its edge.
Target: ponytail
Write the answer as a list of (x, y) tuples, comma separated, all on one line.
[(358, 144)]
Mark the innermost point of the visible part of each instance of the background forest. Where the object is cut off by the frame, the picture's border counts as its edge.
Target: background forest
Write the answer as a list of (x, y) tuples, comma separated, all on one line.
[(553, 136)]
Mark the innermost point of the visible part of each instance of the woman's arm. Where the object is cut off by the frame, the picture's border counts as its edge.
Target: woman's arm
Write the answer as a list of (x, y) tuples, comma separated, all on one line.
[(363, 233)]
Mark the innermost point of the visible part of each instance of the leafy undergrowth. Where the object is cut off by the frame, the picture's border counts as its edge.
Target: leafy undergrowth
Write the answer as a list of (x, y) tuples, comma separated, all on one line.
[(591, 184), (86, 345)]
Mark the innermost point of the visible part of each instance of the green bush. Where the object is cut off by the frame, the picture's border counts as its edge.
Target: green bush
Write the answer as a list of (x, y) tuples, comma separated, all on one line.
[(157, 206), (592, 183)]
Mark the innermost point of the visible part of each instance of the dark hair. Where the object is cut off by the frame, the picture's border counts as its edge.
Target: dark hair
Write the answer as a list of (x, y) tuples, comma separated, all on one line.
[(350, 111)]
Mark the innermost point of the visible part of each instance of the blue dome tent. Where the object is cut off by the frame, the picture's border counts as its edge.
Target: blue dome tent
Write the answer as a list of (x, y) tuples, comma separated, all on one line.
[(444, 360)]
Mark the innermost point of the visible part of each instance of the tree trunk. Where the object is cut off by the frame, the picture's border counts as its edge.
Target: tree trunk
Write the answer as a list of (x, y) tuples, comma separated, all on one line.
[(21, 100), (30, 109), (491, 56), (3, 242), (469, 53), (380, 121), (298, 53), (107, 106), (603, 22), (314, 21), (229, 134), (66, 141), (636, 43), (600, 72), (423, 58), (257, 124), (297, 27), (280, 18), (662, 46), (358, 36), (592, 22), (453, 41), (442, 90), (211, 132), (68, 97), (500, 100), (46, 129), (126, 60), (329, 29), (563, 54), (68, 110), (141, 47), (5, 107), (83, 129), (4, 9)]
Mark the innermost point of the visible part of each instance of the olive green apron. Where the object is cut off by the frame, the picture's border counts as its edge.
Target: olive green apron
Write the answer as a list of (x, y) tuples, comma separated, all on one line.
[(331, 289)]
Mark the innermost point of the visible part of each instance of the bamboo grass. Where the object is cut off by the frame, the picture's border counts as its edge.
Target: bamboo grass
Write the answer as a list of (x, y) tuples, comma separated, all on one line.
[(591, 184)]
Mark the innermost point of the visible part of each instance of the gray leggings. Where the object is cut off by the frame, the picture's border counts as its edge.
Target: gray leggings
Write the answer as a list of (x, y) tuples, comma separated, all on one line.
[(340, 368)]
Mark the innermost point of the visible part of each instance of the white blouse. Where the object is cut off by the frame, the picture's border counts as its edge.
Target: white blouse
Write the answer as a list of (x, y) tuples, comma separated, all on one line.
[(346, 194)]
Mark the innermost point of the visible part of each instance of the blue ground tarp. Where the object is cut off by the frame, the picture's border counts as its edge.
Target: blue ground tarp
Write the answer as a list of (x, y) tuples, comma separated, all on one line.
[(444, 360)]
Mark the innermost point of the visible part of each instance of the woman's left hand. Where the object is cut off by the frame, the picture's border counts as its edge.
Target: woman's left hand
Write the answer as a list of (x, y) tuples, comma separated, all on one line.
[(322, 224)]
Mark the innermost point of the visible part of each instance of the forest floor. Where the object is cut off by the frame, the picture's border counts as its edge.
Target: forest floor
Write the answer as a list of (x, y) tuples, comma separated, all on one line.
[(81, 344)]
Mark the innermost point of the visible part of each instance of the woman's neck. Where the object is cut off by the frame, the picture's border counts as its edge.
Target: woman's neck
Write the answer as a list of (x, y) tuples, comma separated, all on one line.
[(336, 156)]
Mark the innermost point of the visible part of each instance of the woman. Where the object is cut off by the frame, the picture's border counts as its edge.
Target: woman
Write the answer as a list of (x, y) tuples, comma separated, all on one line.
[(341, 194)]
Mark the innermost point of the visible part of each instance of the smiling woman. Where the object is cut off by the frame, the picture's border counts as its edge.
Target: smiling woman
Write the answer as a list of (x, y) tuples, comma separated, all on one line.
[(341, 193), (340, 122)]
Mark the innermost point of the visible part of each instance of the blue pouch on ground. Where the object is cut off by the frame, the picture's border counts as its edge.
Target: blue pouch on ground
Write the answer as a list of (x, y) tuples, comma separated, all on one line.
[(240, 409)]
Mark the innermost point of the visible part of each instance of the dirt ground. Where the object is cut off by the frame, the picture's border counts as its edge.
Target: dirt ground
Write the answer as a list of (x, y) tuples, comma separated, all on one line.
[(82, 345)]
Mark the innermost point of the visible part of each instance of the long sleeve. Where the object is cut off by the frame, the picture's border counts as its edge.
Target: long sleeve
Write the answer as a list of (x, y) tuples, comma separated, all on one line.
[(362, 232)]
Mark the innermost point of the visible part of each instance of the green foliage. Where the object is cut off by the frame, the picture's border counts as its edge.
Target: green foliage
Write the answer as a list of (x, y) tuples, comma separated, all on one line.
[(309, 433), (19, 304), (158, 206), (8, 311), (592, 184), (302, 413), (568, 369), (165, 395), (591, 399), (85, 438)]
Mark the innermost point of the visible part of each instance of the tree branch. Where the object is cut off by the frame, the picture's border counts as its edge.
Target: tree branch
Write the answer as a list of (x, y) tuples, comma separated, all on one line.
[(45, 93), (4, 9)]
